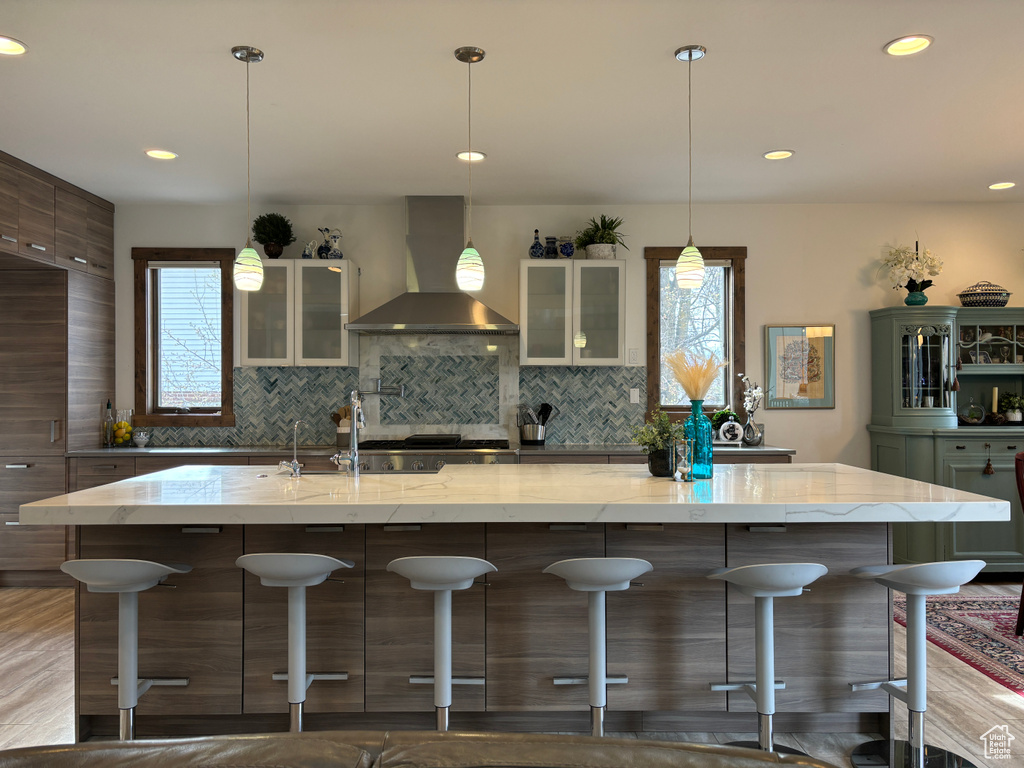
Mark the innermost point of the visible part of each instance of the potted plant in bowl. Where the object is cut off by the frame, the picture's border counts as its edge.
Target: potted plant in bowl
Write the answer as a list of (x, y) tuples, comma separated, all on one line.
[(657, 438), (1010, 405), (600, 237), (273, 231)]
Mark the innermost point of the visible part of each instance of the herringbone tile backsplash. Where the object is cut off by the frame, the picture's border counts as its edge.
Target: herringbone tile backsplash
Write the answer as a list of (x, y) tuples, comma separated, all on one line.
[(593, 401), (441, 389)]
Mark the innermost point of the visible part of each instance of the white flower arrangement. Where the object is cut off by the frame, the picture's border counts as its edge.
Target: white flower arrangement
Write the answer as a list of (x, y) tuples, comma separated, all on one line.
[(909, 268), (752, 395)]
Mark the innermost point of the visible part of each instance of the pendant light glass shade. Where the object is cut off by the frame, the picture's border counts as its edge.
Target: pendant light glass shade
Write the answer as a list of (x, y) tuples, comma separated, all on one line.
[(690, 264), (469, 272), (579, 340), (248, 273), (689, 268)]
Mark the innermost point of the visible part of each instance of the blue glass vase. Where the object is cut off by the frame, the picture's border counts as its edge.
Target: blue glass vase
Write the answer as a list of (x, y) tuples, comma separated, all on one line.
[(698, 429)]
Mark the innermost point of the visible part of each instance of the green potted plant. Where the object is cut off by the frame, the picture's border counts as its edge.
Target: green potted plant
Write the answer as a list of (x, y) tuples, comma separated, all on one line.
[(600, 237), (1010, 405), (657, 438), (273, 231)]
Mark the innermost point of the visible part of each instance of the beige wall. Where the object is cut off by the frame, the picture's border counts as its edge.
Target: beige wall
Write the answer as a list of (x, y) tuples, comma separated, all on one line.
[(807, 264)]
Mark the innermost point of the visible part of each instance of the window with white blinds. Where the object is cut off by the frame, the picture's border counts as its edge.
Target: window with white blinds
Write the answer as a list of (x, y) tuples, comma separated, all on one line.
[(187, 319)]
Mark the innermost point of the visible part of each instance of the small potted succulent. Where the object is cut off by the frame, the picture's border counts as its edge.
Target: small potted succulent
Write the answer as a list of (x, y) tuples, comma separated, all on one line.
[(1010, 405), (657, 438), (273, 231), (600, 237)]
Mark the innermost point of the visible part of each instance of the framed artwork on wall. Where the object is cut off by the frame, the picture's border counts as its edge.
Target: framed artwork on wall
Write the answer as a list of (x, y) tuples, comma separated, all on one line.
[(800, 366)]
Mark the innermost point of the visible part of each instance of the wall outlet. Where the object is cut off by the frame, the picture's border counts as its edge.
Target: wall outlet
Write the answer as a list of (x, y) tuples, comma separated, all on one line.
[(634, 395), (634, 357)]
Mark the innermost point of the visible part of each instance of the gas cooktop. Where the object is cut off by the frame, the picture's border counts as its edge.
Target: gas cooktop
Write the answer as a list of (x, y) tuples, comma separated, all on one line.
[(434, 443)]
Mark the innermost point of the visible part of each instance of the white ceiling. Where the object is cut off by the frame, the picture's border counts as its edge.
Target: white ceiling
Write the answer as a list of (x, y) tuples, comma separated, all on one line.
[(577, 101)]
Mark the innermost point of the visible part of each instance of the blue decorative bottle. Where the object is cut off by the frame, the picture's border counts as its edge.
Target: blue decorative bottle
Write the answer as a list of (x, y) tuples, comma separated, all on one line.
[(698, 429), (537, 249)]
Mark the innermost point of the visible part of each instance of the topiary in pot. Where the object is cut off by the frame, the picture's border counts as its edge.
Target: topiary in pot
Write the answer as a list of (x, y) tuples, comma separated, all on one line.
[(273, 231)]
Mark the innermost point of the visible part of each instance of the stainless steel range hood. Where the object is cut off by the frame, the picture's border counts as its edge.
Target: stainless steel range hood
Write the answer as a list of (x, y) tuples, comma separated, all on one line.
[(432, 302)]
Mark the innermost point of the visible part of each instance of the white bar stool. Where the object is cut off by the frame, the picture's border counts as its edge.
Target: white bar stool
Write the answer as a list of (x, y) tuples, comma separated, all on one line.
[(127, 578), (917, 582), (597, 575), (296, 571), (441, 575), (765, 582)]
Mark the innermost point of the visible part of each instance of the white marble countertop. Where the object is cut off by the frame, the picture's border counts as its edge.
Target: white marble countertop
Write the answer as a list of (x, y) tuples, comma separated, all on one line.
[(739, 493)]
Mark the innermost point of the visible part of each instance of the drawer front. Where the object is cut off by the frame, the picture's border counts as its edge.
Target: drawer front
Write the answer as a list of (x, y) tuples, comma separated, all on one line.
[(29, 547), (91, 472), (999, 446)]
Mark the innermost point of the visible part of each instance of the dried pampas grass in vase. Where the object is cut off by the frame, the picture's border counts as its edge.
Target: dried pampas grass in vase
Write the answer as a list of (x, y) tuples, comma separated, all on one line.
[(695, 375)]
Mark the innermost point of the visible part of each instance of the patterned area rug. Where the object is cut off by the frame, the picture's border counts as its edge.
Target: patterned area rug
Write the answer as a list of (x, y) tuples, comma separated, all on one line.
[(978, 631)]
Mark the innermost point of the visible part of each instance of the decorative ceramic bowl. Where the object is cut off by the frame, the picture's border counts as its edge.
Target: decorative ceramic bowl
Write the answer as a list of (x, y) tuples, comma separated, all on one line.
[(984, 294)]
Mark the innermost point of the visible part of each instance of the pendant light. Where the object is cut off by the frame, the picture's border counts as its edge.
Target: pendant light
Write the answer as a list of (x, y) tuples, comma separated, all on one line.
[(690, 264), (469, 272), (248, 273)]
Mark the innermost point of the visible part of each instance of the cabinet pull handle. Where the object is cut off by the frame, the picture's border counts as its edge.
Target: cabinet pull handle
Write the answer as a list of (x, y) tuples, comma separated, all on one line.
[(567, 527), (403, 527), (17, 466), (100, 266), (53, 430), (961, 447), (645, 526), (37, 246), (79, 259), (201, 529), (1011, 447), (105, 466), (8, 238), (11, 522), (766, 528), (325, 529)]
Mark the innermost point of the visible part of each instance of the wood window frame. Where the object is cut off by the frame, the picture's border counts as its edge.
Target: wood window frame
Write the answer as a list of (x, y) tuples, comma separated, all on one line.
[(737, 257), (146, 414)]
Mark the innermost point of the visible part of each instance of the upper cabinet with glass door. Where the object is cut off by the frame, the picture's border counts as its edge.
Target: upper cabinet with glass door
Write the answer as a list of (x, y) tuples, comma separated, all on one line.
[(913, 370), (298, 316), (572, 312)]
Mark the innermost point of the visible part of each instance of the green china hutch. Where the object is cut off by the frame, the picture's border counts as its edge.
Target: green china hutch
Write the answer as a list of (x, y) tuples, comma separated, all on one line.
[(927, 365)]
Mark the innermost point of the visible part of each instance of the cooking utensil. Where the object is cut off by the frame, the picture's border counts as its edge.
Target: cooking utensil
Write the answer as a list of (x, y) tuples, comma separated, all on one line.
[(543, 413), (336, 418), (526, 415)]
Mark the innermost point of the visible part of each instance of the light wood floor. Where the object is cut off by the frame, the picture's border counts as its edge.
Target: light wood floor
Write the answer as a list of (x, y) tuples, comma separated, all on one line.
[(37, 687)]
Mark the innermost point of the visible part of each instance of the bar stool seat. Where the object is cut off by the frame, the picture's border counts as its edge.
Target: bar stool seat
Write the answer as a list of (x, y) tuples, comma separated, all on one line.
[(295, 571), (764, 582), (916, 581), (597, 575), (441, 575), (127, 578)]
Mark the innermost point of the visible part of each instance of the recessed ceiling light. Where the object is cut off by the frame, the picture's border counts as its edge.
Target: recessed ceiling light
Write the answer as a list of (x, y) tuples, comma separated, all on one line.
[(778, 154), (905, 46), (161, 154), (11, 47), (1002, 185), (472, 156)]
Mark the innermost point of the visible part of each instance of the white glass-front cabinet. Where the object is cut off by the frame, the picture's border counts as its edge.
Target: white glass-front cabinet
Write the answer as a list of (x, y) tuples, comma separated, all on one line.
[(298, 316), (572, 312)]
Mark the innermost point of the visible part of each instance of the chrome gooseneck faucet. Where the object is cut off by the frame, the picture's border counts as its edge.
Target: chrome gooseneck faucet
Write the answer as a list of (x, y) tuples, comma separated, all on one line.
[(293, 466), (351, 456)]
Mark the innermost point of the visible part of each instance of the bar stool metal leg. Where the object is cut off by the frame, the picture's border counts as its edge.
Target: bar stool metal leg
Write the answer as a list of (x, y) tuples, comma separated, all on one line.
[(297, 682), (442, 656), (597, 680)]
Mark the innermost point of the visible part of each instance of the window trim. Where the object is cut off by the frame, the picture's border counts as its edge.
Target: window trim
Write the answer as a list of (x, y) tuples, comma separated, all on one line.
[(146, 413), (653, 256)]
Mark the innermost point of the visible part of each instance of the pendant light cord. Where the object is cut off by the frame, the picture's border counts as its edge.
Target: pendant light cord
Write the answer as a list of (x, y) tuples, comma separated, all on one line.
[(248, 174), (469, 159), (689, 142)]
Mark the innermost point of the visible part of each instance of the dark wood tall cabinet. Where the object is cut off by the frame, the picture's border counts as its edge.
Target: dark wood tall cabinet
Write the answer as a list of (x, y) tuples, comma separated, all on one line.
[(56, 353)]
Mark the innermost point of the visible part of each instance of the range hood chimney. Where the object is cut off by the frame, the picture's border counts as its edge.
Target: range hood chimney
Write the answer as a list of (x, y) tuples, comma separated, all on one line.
[(432, 302)]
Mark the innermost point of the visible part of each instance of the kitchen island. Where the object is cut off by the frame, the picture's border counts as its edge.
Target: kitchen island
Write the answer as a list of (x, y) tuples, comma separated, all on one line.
[(671, 637)]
